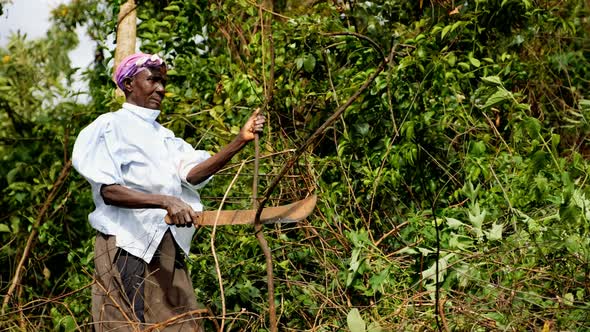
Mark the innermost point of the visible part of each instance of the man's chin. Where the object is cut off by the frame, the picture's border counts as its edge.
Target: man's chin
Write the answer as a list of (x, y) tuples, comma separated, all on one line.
[(155, 105)]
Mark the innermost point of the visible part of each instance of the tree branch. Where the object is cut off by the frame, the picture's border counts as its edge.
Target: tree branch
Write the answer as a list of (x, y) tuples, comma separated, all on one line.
[(363, 37)]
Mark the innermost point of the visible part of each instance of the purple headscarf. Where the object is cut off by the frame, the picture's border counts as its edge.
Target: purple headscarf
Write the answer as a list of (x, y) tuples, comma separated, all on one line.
[(134, 64)]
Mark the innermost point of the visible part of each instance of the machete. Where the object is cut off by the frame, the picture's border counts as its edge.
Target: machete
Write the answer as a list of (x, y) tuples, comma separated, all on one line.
[(289, 213)]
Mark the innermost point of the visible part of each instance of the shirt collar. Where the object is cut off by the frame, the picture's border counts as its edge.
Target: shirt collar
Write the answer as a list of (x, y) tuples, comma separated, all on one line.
[(146, 114)]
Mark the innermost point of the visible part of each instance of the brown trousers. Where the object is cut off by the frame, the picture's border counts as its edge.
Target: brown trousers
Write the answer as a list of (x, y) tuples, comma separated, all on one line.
[(167, 292)]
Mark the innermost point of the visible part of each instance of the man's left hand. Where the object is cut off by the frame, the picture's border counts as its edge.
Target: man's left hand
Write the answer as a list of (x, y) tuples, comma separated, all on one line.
[(254, 125)]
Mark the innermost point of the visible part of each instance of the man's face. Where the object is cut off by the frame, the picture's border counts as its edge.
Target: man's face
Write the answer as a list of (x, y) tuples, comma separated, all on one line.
[(147, 88)]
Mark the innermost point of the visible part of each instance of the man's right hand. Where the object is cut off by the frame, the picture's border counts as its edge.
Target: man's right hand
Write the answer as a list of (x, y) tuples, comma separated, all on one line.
[(180, 213)]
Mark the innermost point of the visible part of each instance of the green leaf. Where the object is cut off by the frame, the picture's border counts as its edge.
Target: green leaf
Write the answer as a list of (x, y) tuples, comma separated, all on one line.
[(476, 217), (476, 63), (445, 30), (451, 59), (572, 243), (493, 80), (443, 264), (478, 148), (309, 63), (453, 223), (498, 97), (533, 126), (378, 280), (374, 327), (495, 232), (12, 175), (355, 321), (299, 62), (173, 8), (4, 228), (68, 323)]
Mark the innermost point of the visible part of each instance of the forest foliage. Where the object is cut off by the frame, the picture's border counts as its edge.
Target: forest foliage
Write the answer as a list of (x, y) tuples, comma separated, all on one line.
[(452, 190)]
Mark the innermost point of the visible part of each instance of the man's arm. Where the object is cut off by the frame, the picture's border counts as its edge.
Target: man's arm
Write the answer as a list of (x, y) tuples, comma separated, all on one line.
[(180, 212), (204, 170)]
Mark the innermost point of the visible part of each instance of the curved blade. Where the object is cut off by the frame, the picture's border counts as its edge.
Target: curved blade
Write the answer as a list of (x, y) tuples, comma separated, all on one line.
[(289, 213)]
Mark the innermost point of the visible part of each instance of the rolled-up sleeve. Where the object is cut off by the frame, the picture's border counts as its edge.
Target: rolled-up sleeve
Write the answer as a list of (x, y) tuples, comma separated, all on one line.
[(186, 158), (93, 157)]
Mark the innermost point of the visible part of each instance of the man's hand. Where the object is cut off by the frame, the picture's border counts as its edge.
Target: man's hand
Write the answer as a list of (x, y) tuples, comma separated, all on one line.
[(180, 213), (254, 125), (205, 169)]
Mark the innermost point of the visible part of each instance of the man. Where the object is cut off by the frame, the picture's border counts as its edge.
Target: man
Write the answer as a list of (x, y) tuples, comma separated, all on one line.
[(139, 172)]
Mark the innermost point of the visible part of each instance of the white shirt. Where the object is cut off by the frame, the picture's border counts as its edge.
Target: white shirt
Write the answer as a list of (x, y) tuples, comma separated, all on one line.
[(130, 148)]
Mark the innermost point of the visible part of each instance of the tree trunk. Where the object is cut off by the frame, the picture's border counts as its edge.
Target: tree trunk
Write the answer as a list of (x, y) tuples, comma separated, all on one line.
[(126, 34)]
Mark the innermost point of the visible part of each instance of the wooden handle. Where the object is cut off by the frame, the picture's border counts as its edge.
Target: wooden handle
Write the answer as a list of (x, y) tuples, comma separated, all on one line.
[(195, 223)]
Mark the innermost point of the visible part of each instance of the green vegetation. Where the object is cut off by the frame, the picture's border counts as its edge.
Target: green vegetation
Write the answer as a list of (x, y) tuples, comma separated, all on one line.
[(453, 192)]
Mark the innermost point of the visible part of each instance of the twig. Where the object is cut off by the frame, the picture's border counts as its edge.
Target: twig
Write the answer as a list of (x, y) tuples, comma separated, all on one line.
[(272, 317), (12, 140), (35, 229), (378, 178), (134, 325), (66, 143), (395, 229), (389, 97), (511, 208), (437, 280), (217, 269), (247, 161), (441, 313), (23, 325), (363, 37), (330, 77), (348, 183), (261, 7), (496, 132), (172, 320), (30, 305)]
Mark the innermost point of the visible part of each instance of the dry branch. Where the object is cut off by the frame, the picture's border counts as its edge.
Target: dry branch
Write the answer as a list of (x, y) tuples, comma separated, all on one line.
[(172, 320), (214, 253)]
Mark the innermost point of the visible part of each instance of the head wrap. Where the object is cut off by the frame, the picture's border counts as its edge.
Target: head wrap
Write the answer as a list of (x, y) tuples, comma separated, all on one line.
[(134, 64)]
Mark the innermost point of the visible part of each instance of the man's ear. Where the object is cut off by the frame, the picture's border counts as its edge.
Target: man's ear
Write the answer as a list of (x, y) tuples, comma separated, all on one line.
[(127, 83)]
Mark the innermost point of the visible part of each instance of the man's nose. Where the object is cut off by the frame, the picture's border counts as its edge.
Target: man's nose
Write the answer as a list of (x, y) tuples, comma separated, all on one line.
[(160, 87)]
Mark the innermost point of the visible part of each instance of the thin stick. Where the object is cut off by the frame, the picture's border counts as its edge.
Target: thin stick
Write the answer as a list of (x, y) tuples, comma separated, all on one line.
[(32, 304), (217, 269), (272, 317), (35, 229), (269, 11), (258, 228), (172, 320), (363, 37), (134, 325)]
